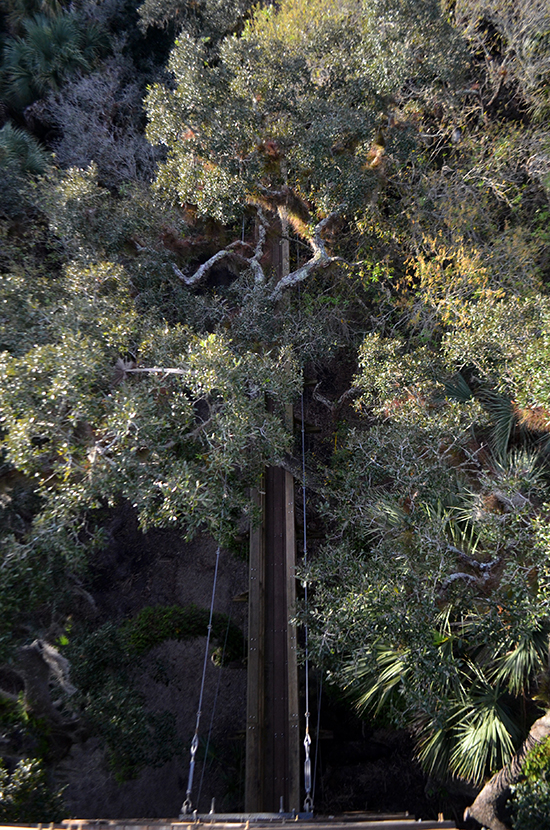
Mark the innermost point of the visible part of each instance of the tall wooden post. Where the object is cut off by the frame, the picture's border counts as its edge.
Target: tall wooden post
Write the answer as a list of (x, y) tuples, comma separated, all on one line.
[(272, 728)]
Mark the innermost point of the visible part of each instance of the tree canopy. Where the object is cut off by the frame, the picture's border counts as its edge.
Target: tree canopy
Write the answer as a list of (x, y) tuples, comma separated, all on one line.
[(149, 344)]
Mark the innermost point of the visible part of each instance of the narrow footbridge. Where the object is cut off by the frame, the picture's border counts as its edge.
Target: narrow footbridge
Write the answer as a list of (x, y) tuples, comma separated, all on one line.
[(236, 822), (272, 781), (274, 785)]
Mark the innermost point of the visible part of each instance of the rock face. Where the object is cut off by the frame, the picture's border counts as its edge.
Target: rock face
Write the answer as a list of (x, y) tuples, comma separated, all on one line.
[(159, 568)]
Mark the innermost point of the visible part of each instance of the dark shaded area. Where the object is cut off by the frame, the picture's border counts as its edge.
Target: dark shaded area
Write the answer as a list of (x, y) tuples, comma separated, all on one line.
[(368, 768)]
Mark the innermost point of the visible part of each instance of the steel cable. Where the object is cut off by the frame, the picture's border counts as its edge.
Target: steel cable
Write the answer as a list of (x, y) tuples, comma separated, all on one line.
[(187, 806), (308, 801)]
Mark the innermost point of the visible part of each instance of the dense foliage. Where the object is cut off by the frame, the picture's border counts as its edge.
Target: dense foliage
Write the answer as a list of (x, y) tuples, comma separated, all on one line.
[(531, 797), (27, 797), (149, 345), (154, 624)]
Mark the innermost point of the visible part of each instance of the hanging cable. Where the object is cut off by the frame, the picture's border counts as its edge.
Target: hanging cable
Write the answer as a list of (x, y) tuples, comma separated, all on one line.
[(210, 728), (315, 763), (308, 801), (319, 700), (187, 806)]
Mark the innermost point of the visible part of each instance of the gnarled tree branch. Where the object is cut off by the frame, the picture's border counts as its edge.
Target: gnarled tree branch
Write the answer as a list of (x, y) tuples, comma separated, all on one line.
[(233, 255), (487, 809), (320, 258), (333, 406)]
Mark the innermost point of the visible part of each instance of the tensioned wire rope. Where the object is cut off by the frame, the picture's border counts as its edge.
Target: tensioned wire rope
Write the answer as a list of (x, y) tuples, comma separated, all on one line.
[(309, 785), (308, 801), (214, 706), (187, 806)]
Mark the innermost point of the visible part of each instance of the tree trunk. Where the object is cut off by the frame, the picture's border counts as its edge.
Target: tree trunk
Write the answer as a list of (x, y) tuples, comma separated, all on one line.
[(489, 807)]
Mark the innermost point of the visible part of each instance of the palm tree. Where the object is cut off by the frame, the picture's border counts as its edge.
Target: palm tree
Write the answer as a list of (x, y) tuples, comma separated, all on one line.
[(17, 11), (482, 718), (19, 149), (51, 49)]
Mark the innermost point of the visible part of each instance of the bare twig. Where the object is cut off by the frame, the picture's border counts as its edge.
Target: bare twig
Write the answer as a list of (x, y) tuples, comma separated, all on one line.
[(123, 368)]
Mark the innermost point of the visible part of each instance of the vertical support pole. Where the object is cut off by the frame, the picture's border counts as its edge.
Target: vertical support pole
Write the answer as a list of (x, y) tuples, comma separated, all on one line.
[(254, 774)]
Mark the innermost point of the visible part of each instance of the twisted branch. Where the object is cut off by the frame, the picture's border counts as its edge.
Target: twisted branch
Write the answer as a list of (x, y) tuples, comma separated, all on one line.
[(230, 253), (320, 258)]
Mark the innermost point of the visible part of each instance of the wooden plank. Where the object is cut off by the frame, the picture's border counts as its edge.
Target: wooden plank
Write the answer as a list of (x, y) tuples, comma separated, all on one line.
[(235, 822), (254, 772)]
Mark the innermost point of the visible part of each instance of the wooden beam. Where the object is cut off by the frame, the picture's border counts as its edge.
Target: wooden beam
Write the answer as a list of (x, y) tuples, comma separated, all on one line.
[(255, 670)]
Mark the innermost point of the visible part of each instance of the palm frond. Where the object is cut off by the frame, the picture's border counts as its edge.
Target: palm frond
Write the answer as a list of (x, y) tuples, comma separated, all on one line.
[(463, 533), (457, 389), (501, 410), (485, 737), (388, 512), (524, 463), (22, 150), (372, 682), (516, 670), (435, 743)]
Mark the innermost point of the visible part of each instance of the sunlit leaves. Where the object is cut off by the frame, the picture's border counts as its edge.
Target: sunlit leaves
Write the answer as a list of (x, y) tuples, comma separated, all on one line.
[(291, 81)]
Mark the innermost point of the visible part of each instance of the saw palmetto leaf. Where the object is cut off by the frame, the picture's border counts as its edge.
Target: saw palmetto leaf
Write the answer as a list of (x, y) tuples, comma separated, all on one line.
[(502, 412)]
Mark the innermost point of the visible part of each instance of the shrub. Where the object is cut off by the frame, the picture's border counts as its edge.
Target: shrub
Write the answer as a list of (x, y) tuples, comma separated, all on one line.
[(26, 796), (531, 797), (98, 117), (155, 624)]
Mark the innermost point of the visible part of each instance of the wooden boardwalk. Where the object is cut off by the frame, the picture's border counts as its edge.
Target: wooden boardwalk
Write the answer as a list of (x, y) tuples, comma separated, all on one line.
[(373, 822), (272, 729)]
